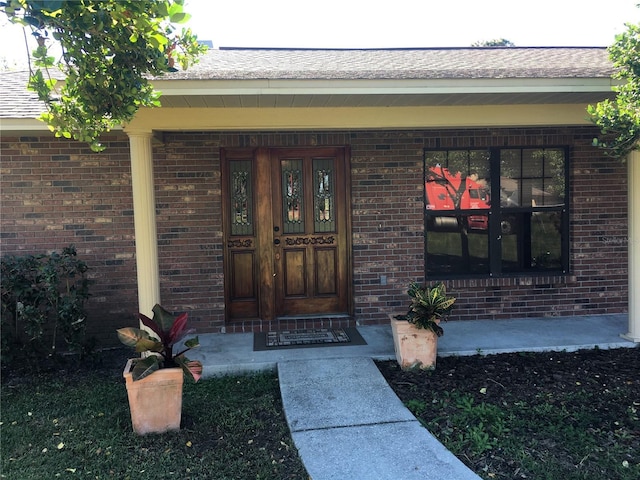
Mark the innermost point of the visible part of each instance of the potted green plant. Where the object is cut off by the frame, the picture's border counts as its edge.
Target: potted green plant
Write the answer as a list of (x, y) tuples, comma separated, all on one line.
[(415, 334), (154, 382)]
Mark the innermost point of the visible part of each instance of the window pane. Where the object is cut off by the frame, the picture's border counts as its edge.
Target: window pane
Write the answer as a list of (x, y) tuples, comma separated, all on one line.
[(432, 159), (510, 163), (510, 178), (457, 180), (324, 196), (546, 241), (531, 241), (531, 189), (452, 249), (241, 197), (554, 181), (479, 164), (532, 176), (440, 189), (293, 196), (532, 161)]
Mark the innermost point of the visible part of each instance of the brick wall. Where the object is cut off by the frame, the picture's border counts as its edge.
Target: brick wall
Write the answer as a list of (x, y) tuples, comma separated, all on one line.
[(389, 166), (56, 192), (189, 219)]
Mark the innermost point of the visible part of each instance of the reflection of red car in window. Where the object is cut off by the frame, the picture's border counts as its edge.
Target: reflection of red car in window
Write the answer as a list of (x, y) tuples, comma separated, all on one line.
[(445, 191)]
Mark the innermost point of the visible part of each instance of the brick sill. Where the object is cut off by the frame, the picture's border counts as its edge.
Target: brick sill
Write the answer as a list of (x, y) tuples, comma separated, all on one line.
[(533, 281)]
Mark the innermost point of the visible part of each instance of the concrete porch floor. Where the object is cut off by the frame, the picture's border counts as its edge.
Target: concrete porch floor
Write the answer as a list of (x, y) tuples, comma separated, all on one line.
[(233, 353)]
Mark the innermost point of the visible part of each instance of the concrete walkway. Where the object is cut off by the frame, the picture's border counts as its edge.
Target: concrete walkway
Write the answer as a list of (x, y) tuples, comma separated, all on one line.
[(346, 421)]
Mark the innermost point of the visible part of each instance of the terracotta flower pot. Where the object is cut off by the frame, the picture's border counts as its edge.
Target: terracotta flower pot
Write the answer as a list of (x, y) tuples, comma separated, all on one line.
[(156, 400), (415, 347)]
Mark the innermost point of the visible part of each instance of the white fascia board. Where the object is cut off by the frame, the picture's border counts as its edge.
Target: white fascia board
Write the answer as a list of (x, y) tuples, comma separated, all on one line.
[(22, 125), (30, 125), (381, 87)]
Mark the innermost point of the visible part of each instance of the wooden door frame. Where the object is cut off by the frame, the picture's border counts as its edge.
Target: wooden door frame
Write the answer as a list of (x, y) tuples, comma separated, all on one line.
[(266, 260)]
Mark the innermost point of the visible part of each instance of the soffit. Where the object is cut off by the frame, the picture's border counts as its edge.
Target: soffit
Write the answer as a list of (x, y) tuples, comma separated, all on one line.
[(379, 93)]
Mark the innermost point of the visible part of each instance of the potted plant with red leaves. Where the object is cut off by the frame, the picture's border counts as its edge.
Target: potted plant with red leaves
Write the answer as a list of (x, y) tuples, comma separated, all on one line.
[(154, 382)]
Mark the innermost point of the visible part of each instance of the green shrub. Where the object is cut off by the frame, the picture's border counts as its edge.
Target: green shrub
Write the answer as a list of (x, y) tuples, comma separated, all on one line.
[(43, 299)]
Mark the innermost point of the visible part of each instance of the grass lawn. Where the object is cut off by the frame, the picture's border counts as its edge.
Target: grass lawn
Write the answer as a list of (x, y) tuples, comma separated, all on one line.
[(78, 426)]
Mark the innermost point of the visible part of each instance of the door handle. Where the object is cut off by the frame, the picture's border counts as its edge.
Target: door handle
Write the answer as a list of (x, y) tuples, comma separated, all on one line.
[(276, 241)]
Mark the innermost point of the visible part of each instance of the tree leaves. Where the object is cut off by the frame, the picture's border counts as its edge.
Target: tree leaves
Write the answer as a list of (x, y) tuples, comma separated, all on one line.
[(619, 119), (110, 50)]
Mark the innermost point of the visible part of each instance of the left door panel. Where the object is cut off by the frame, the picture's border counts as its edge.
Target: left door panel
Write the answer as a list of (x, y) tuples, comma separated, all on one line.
[(240, 235)]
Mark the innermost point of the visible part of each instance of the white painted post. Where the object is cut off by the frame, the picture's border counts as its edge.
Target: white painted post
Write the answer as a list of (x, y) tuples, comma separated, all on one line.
[(633, 177), (144, 212)]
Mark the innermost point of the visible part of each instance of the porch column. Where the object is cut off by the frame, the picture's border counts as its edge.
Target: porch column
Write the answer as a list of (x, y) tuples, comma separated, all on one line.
[(633, 177), (144, 213)]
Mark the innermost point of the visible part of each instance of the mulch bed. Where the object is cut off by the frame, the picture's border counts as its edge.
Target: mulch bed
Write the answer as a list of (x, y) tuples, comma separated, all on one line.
[(551, 378)]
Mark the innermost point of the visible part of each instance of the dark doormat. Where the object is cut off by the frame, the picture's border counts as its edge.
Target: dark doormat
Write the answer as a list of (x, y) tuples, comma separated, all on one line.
[(311, 337)]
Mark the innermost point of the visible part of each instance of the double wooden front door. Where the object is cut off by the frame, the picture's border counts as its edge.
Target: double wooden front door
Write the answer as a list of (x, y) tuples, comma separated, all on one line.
[(286, 232)]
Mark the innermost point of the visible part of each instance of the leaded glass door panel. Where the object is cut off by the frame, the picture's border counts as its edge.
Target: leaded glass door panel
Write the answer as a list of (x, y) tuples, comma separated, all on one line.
[(241, 242)]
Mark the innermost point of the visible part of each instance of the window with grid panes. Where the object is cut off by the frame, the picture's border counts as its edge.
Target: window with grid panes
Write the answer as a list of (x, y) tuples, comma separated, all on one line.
[(497, 211)]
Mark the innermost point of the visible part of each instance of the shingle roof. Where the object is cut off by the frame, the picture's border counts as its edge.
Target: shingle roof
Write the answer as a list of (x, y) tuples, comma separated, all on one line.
[(432, 63), (15, 100), (390, 64)]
